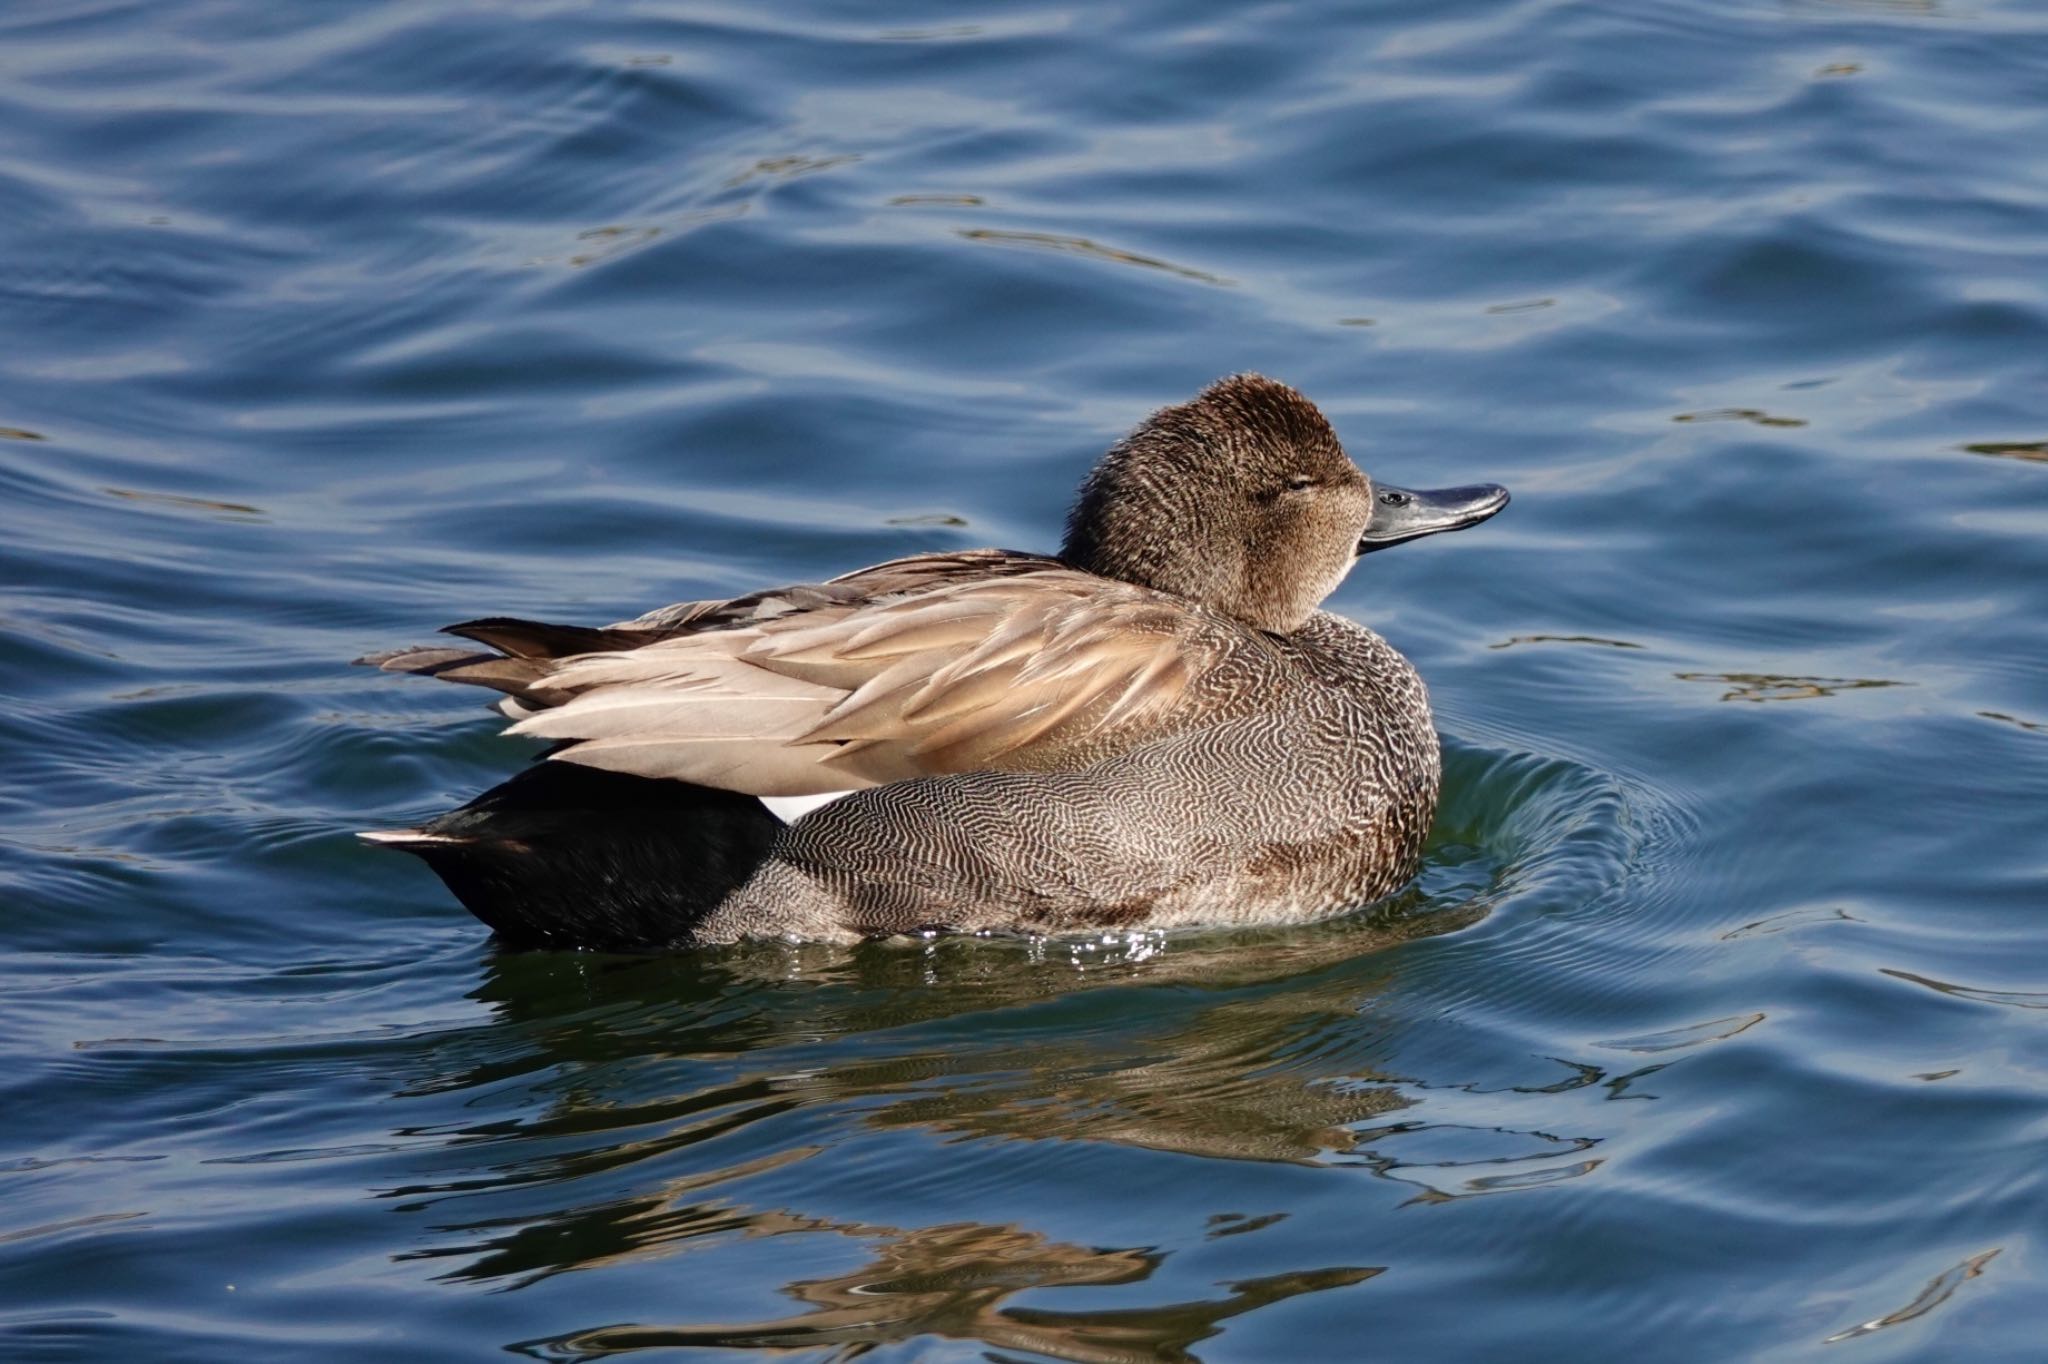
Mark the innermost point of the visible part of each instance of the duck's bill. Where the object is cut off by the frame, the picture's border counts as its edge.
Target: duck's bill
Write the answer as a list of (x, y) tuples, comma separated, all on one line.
[(1401, 514)]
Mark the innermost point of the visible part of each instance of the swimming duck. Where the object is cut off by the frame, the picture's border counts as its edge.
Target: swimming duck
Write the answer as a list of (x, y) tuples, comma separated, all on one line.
[(1156, 727)]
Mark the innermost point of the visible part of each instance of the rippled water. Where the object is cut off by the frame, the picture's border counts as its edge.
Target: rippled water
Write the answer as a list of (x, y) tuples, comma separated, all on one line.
[(1714, 1029)]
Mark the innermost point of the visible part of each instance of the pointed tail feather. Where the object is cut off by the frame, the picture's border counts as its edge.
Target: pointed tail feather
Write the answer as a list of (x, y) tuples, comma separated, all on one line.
[(405, 838), (427, 661), (517, 638)]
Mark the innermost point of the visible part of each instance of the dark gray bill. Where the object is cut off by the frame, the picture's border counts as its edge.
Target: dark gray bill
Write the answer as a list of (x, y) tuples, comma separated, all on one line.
[(1399, 515)]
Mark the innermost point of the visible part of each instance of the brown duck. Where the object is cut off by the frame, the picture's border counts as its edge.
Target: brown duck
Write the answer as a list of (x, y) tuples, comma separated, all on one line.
[(1158, 727)]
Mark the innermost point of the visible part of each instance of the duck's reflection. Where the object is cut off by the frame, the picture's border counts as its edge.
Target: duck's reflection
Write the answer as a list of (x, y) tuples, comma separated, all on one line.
[(956, 1282), (1241, 1045)]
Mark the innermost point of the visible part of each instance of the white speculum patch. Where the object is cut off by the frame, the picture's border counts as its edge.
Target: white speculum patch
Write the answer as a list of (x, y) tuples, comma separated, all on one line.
[(789, 809)]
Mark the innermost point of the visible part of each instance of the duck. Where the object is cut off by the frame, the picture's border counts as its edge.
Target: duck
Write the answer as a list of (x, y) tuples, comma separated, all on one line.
[(1157, 727)]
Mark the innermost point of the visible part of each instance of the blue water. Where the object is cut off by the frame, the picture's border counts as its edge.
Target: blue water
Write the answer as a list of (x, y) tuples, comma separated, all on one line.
[(1717, 1026)]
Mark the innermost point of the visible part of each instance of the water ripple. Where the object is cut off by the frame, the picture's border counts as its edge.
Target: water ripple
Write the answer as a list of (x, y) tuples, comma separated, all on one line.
[(326, 326)]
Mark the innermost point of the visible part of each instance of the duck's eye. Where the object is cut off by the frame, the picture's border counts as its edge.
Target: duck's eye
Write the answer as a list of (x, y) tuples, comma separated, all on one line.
[(1393, 499), (1299, 482)]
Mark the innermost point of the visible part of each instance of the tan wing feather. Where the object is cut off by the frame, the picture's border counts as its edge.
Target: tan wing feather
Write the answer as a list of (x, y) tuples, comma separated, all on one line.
[(947, 663)]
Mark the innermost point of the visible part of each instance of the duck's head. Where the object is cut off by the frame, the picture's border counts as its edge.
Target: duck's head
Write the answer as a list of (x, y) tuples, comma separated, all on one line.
[(1244, 501)]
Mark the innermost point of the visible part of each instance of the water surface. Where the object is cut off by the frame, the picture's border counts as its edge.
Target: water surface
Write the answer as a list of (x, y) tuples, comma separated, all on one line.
[(1714, 1029)]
